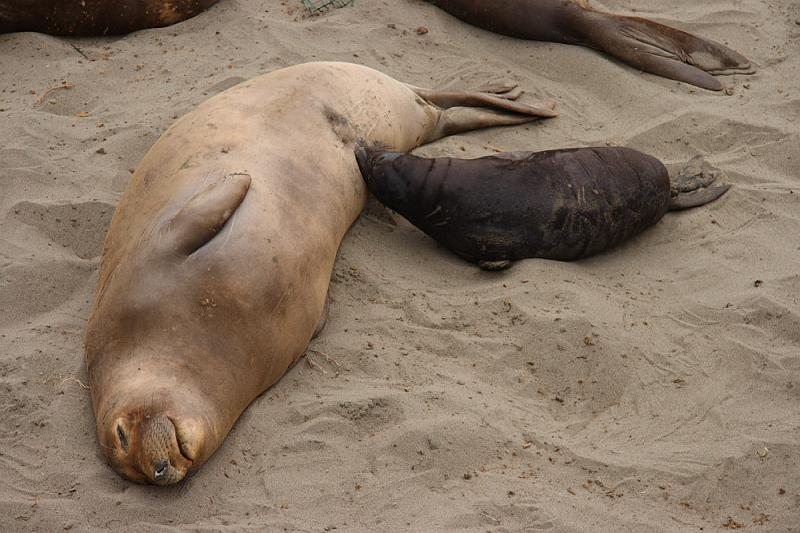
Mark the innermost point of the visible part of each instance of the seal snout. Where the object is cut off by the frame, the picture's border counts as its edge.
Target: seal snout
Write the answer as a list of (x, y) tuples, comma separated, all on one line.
[(161, 460), (150, 448)]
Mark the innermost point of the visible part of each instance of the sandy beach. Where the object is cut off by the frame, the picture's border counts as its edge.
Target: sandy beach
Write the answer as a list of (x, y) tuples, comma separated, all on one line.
[(655, 387)]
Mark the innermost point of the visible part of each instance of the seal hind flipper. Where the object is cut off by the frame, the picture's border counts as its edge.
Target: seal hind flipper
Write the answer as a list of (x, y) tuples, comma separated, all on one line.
[(694, 185), (205, 214), (666, 51), (697, 198), (647, 45), (458, 119), (450, 99), (465, 111)]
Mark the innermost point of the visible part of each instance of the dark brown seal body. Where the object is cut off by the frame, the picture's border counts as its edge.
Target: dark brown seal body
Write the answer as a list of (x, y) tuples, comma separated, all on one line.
[(559, 204), (642, 43), (95, 17)]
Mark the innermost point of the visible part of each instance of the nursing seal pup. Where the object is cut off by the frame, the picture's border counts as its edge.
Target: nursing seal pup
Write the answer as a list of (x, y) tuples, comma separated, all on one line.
[(558, 204)]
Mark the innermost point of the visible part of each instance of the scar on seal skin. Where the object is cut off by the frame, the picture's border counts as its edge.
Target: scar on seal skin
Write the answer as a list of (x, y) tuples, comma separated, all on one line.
[(558, 204), (95, 17), (641, 43)]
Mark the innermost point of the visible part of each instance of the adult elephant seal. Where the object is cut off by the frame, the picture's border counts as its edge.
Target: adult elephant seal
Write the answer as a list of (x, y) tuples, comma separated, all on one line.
[(95, 17), (218, 259), (560, 204), (642, 43)]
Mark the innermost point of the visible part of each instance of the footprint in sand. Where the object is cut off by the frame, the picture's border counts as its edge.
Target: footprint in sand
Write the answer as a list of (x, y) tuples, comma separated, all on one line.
[(80, 226)]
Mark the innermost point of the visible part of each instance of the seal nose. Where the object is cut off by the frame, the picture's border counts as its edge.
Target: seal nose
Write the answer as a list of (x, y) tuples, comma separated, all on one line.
[(160, 468)]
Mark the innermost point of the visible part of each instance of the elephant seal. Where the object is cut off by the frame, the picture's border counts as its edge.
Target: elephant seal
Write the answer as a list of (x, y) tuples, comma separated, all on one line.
[(95, 17), (218, 258), (558, 204), (642, 43)]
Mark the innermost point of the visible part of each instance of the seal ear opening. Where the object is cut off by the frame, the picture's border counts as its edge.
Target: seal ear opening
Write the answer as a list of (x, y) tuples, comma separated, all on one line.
[(206, 213)]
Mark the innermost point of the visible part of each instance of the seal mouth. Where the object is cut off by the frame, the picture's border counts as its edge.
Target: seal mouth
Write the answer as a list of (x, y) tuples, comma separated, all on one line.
[(363, 159), (367, 156), (167, 468)]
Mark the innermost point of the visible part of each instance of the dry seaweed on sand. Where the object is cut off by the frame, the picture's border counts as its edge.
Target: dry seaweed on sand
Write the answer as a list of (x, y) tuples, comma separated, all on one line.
[(318, 6)]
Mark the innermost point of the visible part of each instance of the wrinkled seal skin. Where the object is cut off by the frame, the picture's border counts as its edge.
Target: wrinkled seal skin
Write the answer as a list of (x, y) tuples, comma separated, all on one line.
[(559, 204), (95, 17), (639, 42), (218, 259)]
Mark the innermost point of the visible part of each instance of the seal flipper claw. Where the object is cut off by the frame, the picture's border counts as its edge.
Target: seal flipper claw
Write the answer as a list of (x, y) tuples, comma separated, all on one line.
[(205, 214)]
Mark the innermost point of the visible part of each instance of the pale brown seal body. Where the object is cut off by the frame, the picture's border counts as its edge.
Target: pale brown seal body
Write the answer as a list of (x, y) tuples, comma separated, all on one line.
[(642, 43), (95, 17), (218, 259)]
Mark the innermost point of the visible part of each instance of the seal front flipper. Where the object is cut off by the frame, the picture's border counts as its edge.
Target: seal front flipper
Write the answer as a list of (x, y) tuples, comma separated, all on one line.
[(205, 214), (664, 51)]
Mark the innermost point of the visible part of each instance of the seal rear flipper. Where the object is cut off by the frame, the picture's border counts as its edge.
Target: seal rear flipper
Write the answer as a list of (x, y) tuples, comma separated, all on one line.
[(449, 99), (459, 119), (692, 185), (697, 198), (664, 51), (465, 111), (206, 213)]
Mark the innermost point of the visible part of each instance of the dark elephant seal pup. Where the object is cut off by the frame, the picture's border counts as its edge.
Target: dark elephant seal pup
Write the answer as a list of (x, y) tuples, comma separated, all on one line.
[(560, 204), (95, 17), (639, 42), (217, 262)]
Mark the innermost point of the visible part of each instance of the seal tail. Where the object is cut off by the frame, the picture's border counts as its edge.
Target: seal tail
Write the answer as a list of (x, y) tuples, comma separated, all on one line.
[(662, 50)]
